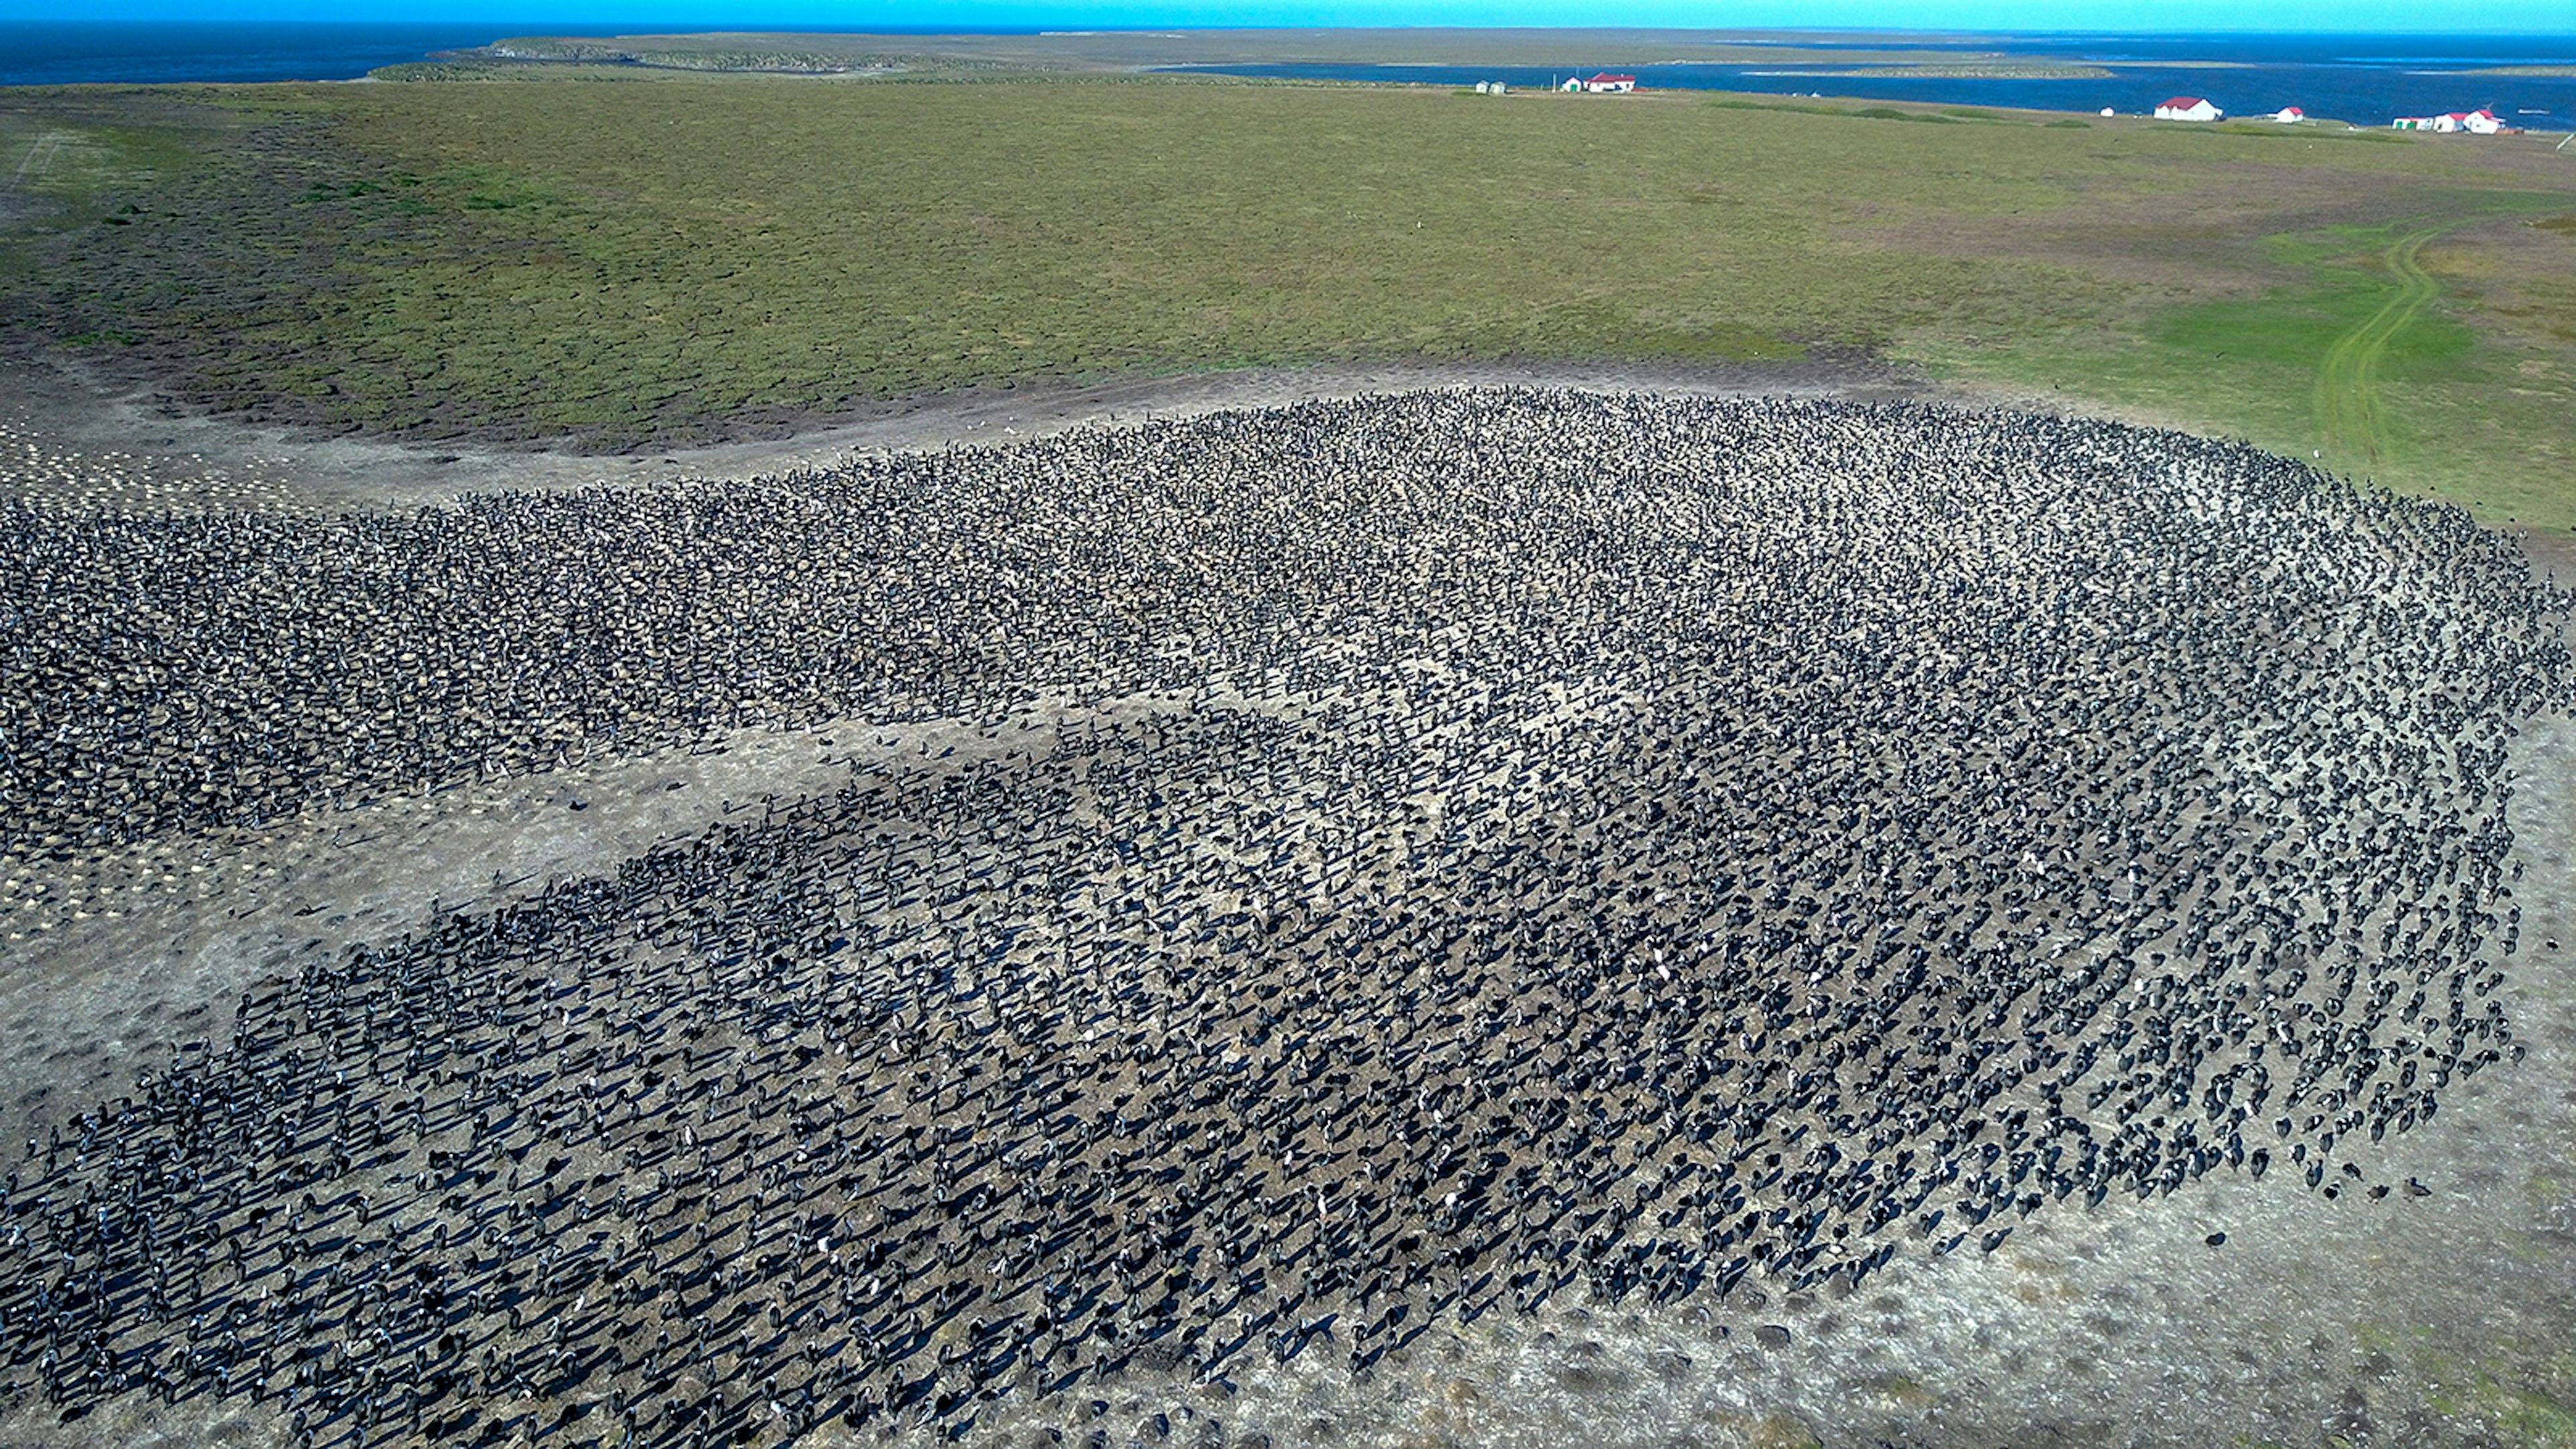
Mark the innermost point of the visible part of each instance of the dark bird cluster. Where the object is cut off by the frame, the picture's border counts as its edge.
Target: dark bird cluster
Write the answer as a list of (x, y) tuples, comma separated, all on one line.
[(1416, 859)]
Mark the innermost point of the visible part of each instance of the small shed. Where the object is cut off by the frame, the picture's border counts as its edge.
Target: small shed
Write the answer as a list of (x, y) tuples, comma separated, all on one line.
[(2188, 108)]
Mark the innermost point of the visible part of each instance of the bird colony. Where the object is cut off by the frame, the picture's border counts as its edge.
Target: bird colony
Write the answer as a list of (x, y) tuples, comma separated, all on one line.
[(1429, 857)]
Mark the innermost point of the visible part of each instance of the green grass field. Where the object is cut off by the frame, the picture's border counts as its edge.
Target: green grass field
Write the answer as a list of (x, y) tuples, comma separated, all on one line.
[(630, 259), (2371, 361)]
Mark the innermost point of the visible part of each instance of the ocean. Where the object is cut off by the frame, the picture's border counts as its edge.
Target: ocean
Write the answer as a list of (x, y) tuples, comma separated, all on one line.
[(159, 52), (2368, 80), (2364, 79)]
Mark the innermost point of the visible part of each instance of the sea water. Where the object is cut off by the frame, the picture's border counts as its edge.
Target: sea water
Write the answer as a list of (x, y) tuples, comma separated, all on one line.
[(2363, 79), (36, 52), (2367, 80)]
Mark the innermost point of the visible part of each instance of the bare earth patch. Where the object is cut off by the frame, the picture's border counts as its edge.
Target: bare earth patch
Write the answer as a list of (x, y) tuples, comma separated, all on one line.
[(70, 434)]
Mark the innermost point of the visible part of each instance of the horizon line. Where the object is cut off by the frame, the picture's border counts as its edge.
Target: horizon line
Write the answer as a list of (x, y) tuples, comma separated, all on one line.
[(1063, 28)]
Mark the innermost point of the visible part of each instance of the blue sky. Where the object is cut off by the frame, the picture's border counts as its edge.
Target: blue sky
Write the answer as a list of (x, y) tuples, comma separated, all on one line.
[(2401, 17)]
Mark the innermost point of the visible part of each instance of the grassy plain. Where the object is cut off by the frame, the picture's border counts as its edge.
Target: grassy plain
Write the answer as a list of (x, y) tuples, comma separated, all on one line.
[(632, 259)]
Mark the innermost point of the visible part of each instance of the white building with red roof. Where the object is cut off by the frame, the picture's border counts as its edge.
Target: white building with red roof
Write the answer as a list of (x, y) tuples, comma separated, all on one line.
[(2189, 108), (2481, 122), (1608, 84)]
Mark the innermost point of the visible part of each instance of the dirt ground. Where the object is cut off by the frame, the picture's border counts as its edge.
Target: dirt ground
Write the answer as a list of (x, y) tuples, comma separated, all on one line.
[(2315, 1321), (75, 434), (2418, 1318), (213, 914)]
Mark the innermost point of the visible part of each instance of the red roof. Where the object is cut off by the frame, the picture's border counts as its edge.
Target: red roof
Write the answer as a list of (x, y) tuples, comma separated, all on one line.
[(1611, 79), (2182, 103)]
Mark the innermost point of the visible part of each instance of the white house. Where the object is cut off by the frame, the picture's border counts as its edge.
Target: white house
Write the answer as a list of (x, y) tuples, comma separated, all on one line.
[(2481, 122), (2188, 108), (1608, 84), (2289, 115)]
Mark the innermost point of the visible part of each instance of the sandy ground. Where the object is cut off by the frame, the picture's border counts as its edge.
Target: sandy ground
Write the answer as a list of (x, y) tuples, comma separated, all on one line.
[(135, 950), (2425, 1316), (107, 963), (2413, 1319), (114, 960), (73, 434)]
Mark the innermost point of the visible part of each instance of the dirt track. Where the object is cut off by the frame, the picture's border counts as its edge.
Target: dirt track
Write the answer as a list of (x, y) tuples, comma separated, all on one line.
[(72, 434)]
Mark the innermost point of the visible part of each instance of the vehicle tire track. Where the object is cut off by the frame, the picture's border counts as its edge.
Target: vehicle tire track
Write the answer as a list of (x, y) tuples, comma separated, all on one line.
[(2350, 422), (45, 148)]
